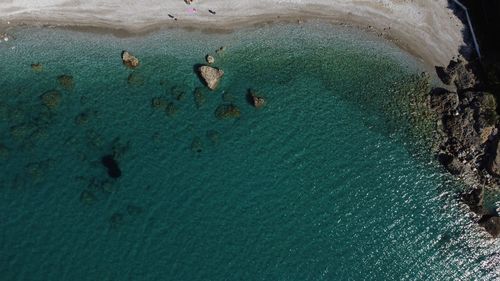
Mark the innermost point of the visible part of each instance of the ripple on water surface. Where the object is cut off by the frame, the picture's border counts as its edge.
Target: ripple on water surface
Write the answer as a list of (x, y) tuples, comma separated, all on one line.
[(112, 173)]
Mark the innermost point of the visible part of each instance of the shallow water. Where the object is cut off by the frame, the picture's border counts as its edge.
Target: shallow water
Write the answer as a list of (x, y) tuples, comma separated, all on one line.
[(330, 180)]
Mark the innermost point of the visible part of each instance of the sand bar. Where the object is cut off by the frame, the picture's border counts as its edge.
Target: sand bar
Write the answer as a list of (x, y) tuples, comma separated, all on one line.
[(426, 28)]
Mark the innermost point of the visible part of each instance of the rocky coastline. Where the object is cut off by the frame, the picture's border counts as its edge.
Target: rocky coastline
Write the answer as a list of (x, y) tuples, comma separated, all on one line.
[(468, 142)]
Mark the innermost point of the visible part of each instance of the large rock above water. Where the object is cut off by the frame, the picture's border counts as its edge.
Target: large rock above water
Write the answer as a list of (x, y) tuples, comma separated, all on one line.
[(210, 76), (129, 59)]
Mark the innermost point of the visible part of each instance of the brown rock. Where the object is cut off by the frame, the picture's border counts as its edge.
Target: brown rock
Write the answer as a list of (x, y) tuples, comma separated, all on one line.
[(129, 59), (210, 75), (255, 100)]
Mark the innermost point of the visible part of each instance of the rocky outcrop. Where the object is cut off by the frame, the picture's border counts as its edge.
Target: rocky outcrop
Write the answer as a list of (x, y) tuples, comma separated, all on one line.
[(458, 73), (129, 59), (468, 146), (210, 76)]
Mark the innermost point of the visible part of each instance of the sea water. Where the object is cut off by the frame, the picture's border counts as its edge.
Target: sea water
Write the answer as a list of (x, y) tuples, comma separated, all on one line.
[(331, 180)]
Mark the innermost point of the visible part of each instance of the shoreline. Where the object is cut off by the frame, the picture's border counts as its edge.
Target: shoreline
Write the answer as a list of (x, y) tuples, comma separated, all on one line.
[(396, 24)]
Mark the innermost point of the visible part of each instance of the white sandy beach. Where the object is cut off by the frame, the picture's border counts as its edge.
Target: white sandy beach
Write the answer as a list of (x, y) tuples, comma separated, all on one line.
[(426, 28)]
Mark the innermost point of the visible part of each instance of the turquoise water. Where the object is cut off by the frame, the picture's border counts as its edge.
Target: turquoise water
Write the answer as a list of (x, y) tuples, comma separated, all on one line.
[(328, 181)]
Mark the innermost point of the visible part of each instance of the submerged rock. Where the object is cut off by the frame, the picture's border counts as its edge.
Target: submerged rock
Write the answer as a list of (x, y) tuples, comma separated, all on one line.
[(111, 165), (177, 93), (159, 103), (227, 97), (197, 145), (171, 109), (220, 50), (37, 67), (66, 81), (51, 99), (84, 117), (116, 220), (135, 79), (255, 100), (4, 152), (87, 197), (210, 76), (225, 111), (129, 59), (134, 210), (199, 98), (213, 136)]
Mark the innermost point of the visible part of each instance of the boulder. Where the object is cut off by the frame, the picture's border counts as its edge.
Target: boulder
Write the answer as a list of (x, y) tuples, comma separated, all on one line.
[(255, 100), (210, 59), (226, 111), (51, 99), (210, 76), (491, 224), (129, 59)]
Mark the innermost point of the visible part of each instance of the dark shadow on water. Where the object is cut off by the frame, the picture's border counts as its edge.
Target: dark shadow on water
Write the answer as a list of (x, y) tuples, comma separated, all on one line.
[(485, 19)]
